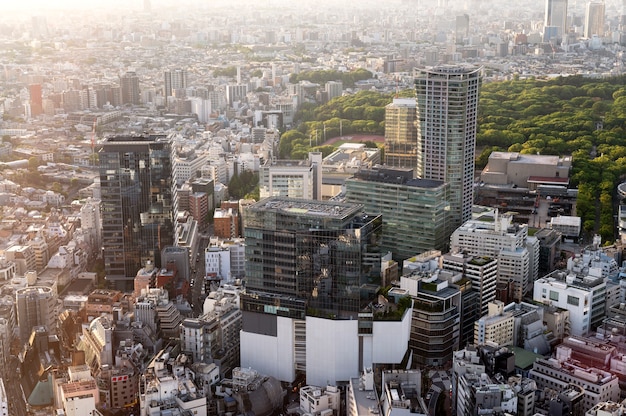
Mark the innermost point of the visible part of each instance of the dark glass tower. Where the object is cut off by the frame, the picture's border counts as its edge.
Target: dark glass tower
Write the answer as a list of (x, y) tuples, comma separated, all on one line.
[(137, 218), (305, 256)]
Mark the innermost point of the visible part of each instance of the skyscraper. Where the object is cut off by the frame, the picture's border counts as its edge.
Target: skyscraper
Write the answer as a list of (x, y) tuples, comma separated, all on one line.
[(135, 177), (594, 19), (174, 80), (401, 133), (462, 28), (447, 106), (310, 266), (556, 16), (36, 101), (129, 86)]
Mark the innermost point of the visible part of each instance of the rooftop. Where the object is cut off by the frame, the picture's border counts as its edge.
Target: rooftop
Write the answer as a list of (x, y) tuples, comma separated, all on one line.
[(308, 207)]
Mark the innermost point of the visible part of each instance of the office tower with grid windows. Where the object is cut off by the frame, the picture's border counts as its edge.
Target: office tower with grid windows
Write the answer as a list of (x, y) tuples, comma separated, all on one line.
[(594, 19), (556, 17), (401, 133), (129, 87), (415, 211), (137, 214), (310, 273), (174, 80), (447, 107)]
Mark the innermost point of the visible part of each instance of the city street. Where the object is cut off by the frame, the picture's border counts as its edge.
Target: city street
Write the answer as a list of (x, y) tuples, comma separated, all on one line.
[(196, 296), (15, 398)]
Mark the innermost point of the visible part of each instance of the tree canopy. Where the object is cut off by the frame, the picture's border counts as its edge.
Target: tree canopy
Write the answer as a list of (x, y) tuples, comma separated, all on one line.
[(323, 76), (575, 116)]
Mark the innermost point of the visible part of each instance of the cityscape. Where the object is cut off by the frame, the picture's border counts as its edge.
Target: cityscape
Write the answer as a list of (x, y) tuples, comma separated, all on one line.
[(409, 207)]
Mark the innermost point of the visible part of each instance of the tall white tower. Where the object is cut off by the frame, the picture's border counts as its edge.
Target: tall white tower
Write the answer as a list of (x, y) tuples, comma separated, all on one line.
[(556, 16), (447, 105)]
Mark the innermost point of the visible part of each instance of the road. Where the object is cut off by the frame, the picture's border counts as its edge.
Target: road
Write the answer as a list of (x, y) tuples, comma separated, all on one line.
[(15, 397), (196, 296)]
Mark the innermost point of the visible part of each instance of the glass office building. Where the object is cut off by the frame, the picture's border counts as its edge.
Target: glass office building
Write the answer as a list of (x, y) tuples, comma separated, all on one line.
[(309, 257), (137, 218), (415, 211)]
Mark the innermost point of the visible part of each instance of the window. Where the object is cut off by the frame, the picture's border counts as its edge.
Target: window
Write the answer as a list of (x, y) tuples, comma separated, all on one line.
[(573, 300), (554, 295)]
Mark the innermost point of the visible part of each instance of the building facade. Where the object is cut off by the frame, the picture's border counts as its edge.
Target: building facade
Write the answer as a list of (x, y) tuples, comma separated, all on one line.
[(320, 252), (292, 178), (137, 215), (414, 211), (401, 134), (35, 306), (556, 17), (447, 106)]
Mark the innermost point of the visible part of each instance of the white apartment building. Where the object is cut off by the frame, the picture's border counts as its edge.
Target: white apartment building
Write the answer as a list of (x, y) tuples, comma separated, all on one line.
[(495, 235), (568, 226), (292, 178), (496, 328), (607, 409), (582, 296), (320, 401), (8, 269), (4, 400), (79, 395), (91, 222), (225, 258), (360, 395), (185, 164), (558, 373), (163, 389), (401, 393)]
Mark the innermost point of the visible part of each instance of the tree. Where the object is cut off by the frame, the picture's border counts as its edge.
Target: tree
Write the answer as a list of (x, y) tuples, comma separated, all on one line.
[(33, 163)]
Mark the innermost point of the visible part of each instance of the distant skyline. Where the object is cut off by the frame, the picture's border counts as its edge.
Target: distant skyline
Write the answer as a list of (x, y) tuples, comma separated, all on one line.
[(35, 7)]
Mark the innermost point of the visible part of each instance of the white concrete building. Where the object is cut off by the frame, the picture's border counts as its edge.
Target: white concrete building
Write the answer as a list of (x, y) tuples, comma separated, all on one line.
[(568, 226), (607, 409), (558, 373), (401, 393), (305, 345), (292, 178), (79, 395), (495, 235), (225, 258), (163, 389), (583, 296), (320, 401), (361, 395), (4, 400)]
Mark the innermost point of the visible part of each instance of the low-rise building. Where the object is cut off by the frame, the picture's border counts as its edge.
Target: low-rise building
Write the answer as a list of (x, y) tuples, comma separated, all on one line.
[(559, 373), (496, 328)]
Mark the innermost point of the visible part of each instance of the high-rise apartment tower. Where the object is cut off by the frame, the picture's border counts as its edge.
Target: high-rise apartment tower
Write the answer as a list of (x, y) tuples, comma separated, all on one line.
[(447, 107), (174, 80)]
